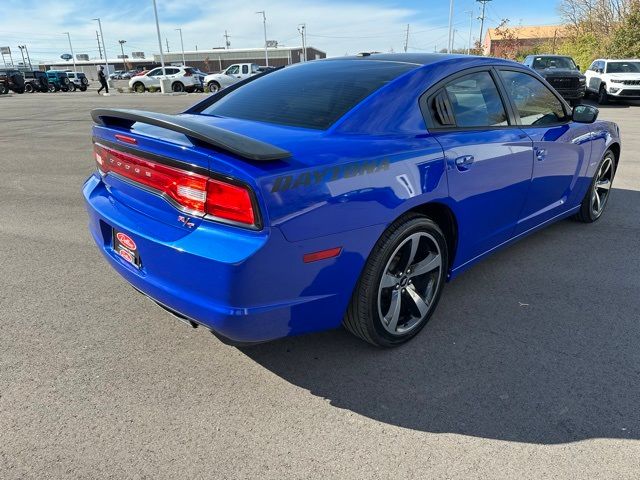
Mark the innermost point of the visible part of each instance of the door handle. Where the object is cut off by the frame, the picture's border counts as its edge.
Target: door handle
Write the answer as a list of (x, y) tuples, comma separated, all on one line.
[(541, 154), (464, 162)]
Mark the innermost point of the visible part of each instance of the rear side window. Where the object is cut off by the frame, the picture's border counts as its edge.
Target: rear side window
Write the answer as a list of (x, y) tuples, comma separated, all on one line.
[(245, 69), (475, 101), (310, 95), (534, 102)]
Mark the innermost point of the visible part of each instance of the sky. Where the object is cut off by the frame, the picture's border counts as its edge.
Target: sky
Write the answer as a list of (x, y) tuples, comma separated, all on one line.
[(337, 27)]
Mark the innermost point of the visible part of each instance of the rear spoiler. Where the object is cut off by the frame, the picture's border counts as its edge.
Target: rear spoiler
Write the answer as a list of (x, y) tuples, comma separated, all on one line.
[(200, 133)]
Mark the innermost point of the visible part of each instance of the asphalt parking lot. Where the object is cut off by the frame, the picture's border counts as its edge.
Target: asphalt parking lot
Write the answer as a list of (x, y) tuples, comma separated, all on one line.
[(530, 367)]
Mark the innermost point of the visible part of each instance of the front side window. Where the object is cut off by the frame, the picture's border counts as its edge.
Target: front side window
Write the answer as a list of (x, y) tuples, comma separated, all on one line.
[(233, 70), (534, 102), (476, 102), (623, 67), (155, 72)]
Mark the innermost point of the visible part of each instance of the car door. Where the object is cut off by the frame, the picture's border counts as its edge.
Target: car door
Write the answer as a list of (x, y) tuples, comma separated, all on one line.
[(562, 148), (594, 75), (153, 78), (488, 159), (245, 72), (231, 75)]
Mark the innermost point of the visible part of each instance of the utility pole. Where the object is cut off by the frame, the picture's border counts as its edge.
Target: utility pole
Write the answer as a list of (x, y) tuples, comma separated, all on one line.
[(453, 39), (104, 48), (302, 29), (99, 47), (155, 11), (406, 39), (470, 12), (184, 61), (264, 23), (167, 40), (481, 18), (73, 57), (450, 25), (122, 42), (227, 43)]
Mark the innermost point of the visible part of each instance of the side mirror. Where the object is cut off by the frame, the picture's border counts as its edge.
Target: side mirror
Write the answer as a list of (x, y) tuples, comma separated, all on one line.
[(585, 114), (578, 67)]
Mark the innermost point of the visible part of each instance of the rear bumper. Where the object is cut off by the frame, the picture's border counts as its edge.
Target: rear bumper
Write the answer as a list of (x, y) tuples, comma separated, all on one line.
[(244, 285)]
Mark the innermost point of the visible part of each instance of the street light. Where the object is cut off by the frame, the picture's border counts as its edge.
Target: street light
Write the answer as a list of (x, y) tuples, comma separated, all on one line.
[(155, 11), (22, 47), (184, 62), (73, 57), (450, 26), (104, 49), (264, 23), (122, 42)]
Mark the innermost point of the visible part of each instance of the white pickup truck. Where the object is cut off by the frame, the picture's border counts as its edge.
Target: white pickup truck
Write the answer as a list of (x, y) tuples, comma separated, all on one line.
[(233, 74)]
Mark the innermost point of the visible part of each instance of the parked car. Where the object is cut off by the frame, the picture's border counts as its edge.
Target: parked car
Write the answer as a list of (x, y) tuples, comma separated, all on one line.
[(117, 75), (610, 79), (35, 81), (562, 73), (58, 80), (346, 190), (182, 79), (233, 74), (11, 80), (78, 81)]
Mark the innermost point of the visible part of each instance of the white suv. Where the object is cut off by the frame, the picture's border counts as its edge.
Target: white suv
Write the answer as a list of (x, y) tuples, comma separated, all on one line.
[(182, 79), (610, 79), (233, 74)]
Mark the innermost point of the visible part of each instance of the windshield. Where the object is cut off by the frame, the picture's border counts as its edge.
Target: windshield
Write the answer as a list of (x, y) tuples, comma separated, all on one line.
[(309, 95), (623, 67), (541, 63)]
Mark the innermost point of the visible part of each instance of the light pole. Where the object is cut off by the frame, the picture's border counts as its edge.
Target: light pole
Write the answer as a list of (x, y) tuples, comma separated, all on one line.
[(28, 58), (184, 62), (303, 32), (155, 11), (22, 52), (73, 57), (450, 26), (470, 31), (264, 23), (122, 42), (104, 49)]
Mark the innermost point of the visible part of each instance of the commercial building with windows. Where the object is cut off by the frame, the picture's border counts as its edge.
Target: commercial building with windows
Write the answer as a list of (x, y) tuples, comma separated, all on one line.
[(213, 60)]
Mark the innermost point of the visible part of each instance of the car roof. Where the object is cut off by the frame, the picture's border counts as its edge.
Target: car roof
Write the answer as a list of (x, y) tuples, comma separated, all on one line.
[(415, 58)]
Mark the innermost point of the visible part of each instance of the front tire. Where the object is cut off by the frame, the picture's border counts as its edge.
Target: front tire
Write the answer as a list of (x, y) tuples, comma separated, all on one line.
[(138, 87), (28, 88), (401, 283), (72, 87), (597, 196), (214, 87), (603, 96)]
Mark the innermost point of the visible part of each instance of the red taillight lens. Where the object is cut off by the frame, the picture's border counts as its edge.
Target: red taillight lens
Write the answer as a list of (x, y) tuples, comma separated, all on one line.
[(230, 202), (191, 191)]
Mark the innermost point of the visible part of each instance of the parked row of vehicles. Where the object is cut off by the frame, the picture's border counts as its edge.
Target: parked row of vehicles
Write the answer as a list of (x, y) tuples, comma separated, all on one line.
[(31, 81), (606, 79)]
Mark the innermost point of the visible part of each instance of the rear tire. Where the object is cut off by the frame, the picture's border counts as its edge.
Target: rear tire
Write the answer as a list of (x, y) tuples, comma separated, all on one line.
[(401, 283), (177, 87), (28, 88), (597, 197), (3, 89)]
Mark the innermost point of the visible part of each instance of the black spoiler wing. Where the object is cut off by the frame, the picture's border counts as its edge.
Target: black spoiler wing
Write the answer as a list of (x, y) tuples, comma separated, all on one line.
[(241, 145)]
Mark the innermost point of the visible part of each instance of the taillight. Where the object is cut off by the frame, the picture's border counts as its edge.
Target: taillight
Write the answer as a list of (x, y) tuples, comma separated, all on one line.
[(195, 193)]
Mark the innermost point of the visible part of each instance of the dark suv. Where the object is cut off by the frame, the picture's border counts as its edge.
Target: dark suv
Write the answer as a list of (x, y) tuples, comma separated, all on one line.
[(35, 81), (562, 73), (58, 80), (11, 79)]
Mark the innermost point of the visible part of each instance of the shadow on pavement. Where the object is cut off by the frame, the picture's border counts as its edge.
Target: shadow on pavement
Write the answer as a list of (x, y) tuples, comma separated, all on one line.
[(538, 344)]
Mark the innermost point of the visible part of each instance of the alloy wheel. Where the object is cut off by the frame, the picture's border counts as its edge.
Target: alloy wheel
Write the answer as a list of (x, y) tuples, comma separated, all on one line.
[(602, 187), (409, 283)]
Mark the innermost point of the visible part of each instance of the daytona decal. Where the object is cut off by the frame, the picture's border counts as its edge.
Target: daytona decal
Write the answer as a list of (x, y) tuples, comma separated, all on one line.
[(328, 174)]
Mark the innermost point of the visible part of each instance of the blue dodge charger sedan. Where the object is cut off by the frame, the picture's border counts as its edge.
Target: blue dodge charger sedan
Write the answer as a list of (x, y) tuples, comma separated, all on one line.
[(340, 191)]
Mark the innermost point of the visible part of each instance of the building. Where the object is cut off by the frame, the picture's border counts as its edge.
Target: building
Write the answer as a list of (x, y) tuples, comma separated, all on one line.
[(219, 58), (523, 39), (206, 60)]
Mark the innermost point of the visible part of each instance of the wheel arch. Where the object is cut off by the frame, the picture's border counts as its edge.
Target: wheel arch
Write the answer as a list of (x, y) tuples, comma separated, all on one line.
[(616, 149), (445, 218)]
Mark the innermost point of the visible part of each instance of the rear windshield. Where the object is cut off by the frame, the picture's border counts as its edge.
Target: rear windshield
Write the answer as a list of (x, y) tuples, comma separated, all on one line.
[(310, 95)]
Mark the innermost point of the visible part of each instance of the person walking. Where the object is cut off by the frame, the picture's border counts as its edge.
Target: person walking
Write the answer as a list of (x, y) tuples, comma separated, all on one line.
[(102, 78)]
